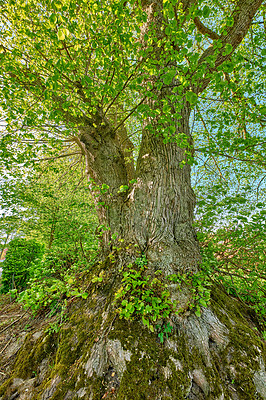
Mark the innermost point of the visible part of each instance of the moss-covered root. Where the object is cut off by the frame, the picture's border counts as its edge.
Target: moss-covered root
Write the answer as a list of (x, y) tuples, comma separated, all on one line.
[(216, 356)]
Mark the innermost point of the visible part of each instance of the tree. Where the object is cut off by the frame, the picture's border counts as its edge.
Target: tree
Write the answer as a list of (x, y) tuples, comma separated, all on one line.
[(57, 208), (16, 268), (86, 69), (52, 206)]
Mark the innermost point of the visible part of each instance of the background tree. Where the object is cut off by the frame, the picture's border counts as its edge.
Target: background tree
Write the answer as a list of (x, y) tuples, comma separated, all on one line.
[(58, 209), (16, 269), (84, 70)]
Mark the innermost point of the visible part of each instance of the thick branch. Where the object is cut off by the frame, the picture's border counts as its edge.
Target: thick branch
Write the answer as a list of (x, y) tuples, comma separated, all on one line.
[(205, 30), (126, 144), (243, 15)]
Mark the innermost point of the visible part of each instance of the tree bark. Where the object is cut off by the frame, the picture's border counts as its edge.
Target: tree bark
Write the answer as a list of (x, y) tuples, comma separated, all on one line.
[(155, 212)]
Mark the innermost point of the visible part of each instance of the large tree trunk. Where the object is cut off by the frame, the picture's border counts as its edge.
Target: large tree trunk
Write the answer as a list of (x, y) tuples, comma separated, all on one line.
[(96, 355), (156, 211), (161, 205)]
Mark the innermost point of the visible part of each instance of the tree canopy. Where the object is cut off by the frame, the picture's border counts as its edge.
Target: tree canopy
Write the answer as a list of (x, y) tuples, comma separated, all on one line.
[(63, 64)]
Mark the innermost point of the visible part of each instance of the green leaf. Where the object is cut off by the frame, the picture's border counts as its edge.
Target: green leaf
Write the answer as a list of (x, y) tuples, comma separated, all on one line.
[(230, 21), (191, 97), (206, 11), (145, 321), (160, 336), (168, 77), (228, 49), (198, 311), (123, 188), (203, 303), (61, 34), (53, 18), (263, 110)]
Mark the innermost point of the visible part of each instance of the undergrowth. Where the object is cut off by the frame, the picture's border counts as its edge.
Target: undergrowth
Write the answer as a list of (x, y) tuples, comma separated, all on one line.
[(147, 297), (229, 259), (236, 261)]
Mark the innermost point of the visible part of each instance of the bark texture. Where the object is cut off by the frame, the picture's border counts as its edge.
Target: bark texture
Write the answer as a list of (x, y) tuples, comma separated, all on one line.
[(156, 212)]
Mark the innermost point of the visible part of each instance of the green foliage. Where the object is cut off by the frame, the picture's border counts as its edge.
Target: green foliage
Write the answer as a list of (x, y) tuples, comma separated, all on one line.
[(59, 84), (236, 259), (230, 217), (142, 295), (59, 210), (56, 209), (163, 331), (49, 293), (22, 254), (123, 188), (146, 297), (52, 280), (199, 285)]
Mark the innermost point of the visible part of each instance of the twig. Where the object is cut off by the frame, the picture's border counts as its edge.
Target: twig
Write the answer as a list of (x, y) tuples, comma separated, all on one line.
[(8, 305), (132, 111), (14, 322), (56, 157), (6, 345), (106, 334)]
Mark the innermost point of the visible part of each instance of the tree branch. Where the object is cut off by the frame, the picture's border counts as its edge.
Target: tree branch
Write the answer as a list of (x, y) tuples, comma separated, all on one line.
[(56, 157), (242, 15), (205, 30)]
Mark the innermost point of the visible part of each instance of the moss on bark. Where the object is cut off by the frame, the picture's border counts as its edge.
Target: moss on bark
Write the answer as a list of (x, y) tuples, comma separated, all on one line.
[(97, 356)]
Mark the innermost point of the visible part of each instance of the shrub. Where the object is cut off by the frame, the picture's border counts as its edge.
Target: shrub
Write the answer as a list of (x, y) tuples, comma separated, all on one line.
[(20, 257)]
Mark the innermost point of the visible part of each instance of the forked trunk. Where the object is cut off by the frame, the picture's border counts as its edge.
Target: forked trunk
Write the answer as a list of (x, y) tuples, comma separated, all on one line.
[(98, 355), (151, 207)]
